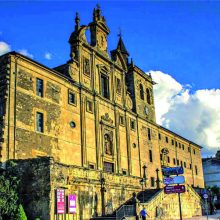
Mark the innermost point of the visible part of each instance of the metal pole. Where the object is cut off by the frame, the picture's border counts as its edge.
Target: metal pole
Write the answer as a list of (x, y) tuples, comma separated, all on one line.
[(180, 206), (206, 203)]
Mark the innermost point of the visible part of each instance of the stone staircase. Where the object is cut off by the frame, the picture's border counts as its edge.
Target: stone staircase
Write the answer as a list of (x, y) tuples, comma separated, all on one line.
[(142, 197)]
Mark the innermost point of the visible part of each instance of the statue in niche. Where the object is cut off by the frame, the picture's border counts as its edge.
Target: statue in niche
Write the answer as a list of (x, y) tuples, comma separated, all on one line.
[(86, 66), (108, 144)]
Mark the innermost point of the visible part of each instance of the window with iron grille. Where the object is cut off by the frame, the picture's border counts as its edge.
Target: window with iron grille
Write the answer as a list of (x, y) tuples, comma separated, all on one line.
[(132, 124), (72, 98), (108, 167), (40, 122), (105, 86), (39, 87)]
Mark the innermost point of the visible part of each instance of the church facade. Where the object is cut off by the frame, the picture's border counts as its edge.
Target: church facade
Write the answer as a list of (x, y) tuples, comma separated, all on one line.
[(92, 123)]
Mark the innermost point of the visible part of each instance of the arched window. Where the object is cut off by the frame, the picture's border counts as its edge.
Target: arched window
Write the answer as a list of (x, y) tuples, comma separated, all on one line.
[(141, 92), (148, 96)]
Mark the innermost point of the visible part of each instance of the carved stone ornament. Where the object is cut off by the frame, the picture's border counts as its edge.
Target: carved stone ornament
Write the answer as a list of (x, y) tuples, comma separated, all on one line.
[(107, 118), (118, 85), (129, 103)]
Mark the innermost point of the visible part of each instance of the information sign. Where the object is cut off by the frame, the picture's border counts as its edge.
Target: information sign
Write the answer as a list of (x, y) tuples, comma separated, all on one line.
[(173, 180), (72, 204), (174, 189), (167, 171), (60, 201), (205, 196)]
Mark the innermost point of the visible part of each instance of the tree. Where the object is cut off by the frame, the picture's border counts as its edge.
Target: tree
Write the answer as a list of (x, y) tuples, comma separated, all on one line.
[(21, 213), (9, 198)]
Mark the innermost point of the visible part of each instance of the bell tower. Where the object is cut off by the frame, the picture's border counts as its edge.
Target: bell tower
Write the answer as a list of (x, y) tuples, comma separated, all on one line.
[(99, 30)]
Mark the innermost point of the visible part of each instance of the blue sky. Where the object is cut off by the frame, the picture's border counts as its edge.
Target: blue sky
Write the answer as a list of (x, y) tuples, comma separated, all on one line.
[(178, 38), (181, 38)]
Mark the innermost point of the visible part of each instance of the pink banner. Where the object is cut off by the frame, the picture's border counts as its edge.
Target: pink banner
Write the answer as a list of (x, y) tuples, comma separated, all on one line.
[(60, 201), (72, 204)]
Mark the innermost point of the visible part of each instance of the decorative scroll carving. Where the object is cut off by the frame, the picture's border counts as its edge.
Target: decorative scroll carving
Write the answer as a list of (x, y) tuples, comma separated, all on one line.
[(107, 118)]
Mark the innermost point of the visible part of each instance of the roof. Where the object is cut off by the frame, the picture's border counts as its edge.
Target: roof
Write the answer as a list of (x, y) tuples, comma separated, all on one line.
[(121, 46)]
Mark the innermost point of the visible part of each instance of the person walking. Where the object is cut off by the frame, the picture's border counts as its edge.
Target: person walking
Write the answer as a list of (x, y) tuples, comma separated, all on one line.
[(144, 214)]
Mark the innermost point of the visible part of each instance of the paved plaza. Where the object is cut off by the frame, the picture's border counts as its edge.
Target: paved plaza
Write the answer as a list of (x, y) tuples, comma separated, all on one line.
[(210, 217)]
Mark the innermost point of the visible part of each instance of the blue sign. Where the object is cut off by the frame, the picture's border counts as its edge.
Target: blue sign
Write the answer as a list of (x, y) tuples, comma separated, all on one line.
[(167, 171)]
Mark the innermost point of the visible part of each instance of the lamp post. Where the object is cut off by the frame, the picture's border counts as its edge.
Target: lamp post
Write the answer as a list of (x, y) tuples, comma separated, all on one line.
[(142, 182), (144, 172), (158, 180), (103, 190)]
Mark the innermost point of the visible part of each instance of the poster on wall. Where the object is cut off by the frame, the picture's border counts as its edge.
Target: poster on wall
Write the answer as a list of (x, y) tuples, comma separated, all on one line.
[(60, 201), (72, 204)]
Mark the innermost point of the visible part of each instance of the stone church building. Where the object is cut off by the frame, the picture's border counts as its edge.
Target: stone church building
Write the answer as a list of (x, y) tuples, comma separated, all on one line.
[(88, 127)]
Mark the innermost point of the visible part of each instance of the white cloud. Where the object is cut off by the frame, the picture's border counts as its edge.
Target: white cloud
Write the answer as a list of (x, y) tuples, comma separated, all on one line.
[(26, 53), (48, 56), (4, 48), (192, 114)]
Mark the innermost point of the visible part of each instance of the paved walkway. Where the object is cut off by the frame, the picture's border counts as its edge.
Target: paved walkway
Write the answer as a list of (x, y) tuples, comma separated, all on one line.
[(210, 217)]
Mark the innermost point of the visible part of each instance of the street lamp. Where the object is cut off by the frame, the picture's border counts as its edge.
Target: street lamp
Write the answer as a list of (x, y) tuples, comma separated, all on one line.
[(103, 190), (142, 182), (158, 180)]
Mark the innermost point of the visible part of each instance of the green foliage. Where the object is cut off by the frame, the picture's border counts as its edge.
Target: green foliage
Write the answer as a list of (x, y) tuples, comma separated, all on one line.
[(21, 213), (215, 190), (9, 199)]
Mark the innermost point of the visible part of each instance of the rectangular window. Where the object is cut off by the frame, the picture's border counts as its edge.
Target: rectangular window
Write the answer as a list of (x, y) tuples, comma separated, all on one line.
[(181, 162), (159, 136), (132, 124), (104, 86), (152, 181), (188, 149), (174, 161), (196, 170), (190, 166), (179, 145), (124, 172), (39, 87), (72, 98), (40, 122), (168, 159), (172, 142), (184, 164), (183, 146), (194, 151), (167, 140), (108, 167), (91, 166), (150, 156), (121, 120), (89, 106), (176, 143), (149, 133), (178, 162), (2, 109)]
